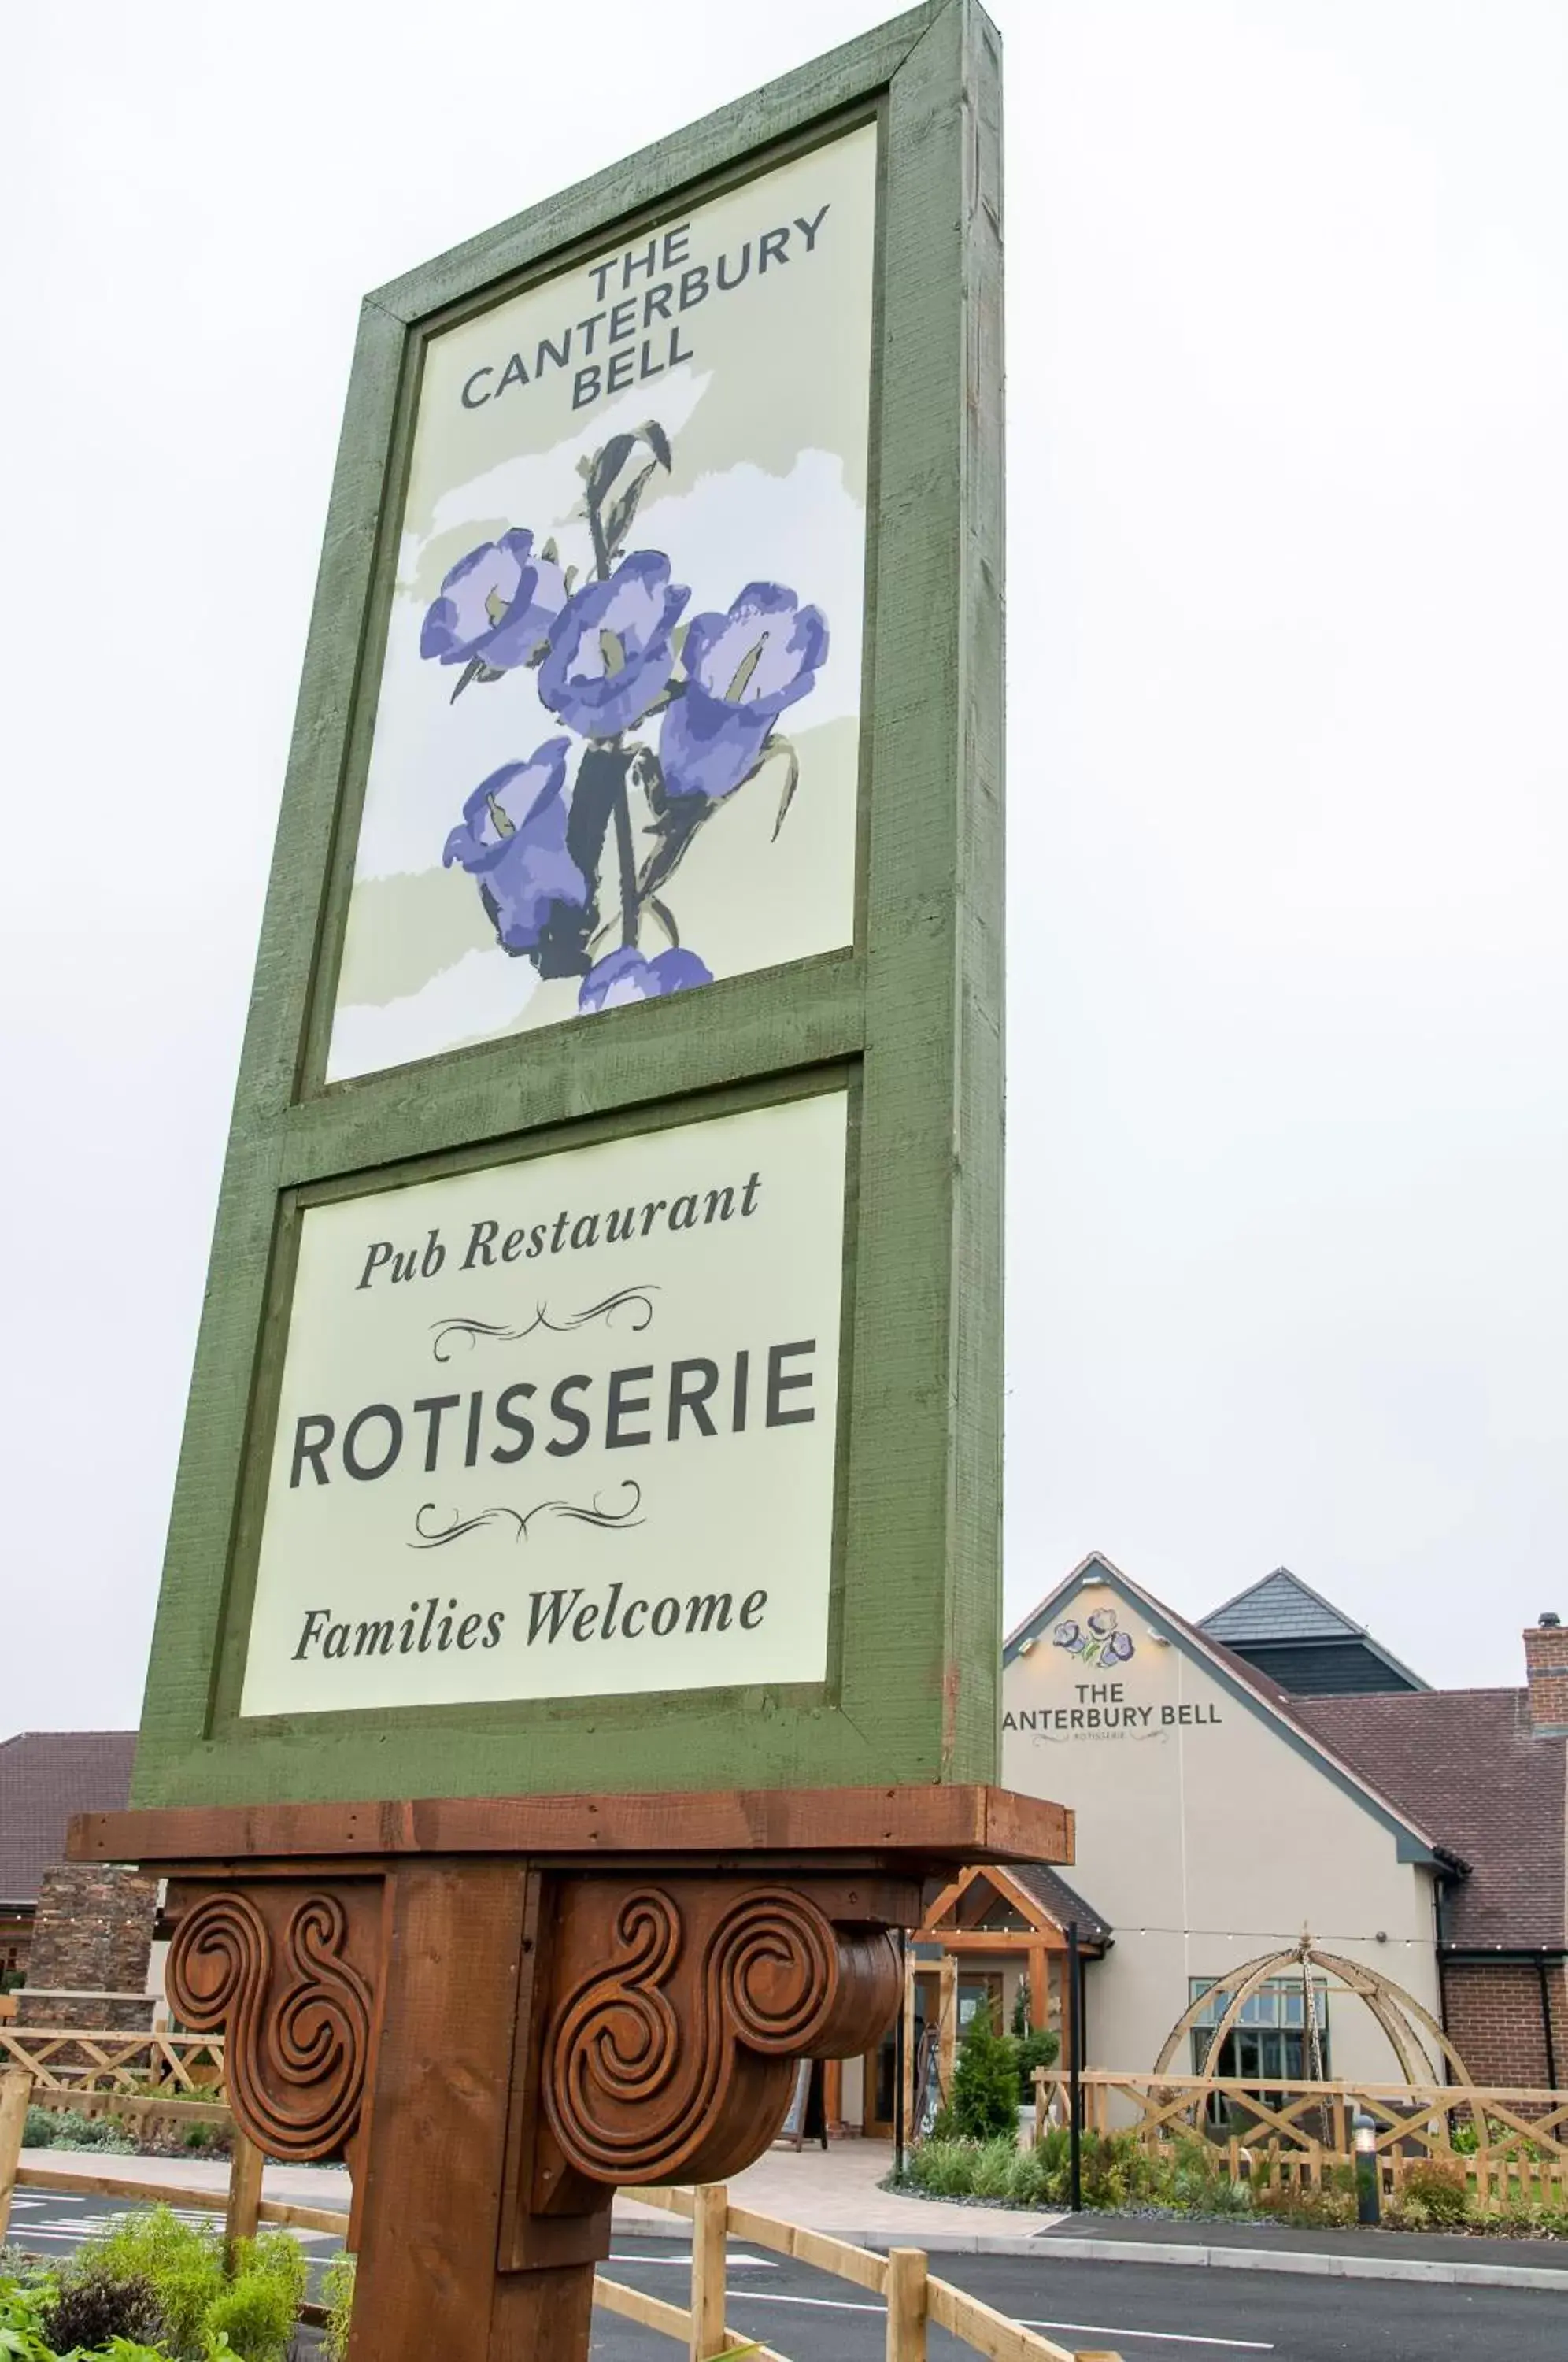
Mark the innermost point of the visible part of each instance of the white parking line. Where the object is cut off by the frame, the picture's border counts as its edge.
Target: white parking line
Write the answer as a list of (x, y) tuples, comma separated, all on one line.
[(1078, 2328), (819, 2303), (82, 2227), (683, 2258), (1159, 2336)]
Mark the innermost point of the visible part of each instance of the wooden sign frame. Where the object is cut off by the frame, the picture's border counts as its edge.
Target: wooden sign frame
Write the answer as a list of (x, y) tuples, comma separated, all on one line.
[(910, 1019)]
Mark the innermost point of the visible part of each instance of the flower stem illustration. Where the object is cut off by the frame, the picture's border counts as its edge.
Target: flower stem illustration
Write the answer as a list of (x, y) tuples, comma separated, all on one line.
[(613, 655)]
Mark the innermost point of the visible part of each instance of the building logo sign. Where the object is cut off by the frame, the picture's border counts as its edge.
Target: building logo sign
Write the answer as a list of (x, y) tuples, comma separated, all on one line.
[(1097, 1640), (1096, 1643), (1102, 1709), (561, 1427)]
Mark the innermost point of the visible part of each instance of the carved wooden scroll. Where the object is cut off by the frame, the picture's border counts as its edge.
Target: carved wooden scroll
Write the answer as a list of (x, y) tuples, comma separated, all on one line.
[(270, 1966), (678, 2011)]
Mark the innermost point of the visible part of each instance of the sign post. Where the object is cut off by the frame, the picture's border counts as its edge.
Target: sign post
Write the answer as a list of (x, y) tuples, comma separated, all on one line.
[(579, 1629)]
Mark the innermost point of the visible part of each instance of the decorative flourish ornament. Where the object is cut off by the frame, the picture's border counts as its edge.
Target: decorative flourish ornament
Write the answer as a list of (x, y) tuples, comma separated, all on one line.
[(297, 2041)]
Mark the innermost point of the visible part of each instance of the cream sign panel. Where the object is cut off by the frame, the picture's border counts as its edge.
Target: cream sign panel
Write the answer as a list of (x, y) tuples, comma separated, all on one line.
[(562, 1427), (615, 742)]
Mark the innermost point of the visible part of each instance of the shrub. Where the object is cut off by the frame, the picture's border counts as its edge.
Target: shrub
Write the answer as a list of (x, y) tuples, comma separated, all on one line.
[(21, 2316), (183, 2261), (93, 2305), (204, 2312), (338, 2288), (1031, 2180), (992, 2166), (1329, 2209), (1442, 2188), (256, 2313), (1115, 2170), (942, 2168), (1035, 2048), (70, 2128), (984, 2099)]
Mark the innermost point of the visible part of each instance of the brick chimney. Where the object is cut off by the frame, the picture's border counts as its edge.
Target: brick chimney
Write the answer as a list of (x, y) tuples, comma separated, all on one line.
[(1546, 1665)]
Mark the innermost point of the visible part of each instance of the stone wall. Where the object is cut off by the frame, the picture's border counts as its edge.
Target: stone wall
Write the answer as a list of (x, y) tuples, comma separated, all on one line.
[(92, 1938)]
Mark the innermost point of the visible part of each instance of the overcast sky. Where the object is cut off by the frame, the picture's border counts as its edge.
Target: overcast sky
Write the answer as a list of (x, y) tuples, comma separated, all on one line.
[(1288, 290)]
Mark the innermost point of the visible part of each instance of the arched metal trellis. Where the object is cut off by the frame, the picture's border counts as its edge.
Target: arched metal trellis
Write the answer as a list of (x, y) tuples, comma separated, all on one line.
[(1408, 2025)]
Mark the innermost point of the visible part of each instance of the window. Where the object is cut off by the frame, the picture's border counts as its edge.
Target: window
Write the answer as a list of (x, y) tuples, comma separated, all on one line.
[(1269, 2042)]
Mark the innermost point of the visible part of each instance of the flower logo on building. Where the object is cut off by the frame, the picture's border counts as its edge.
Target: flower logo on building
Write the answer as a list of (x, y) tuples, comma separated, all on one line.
[(676, 714), (1097, 1640)]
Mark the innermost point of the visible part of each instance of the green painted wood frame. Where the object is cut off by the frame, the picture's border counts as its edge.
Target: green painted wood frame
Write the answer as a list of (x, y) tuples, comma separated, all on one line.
[(911, 1018)]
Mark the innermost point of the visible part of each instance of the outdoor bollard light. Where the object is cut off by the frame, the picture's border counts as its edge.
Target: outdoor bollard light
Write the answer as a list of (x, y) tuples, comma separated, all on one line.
[(1368, 2190)]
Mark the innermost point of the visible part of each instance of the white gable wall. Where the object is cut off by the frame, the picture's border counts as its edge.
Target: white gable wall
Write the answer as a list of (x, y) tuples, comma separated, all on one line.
[(1206, 1835)]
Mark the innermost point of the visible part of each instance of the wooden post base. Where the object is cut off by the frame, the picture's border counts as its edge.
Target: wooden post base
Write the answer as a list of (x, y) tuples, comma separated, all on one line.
[(500, 2012)]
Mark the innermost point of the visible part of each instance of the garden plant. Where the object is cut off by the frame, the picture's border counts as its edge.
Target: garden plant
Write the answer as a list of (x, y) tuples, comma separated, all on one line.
[(155, 2290)]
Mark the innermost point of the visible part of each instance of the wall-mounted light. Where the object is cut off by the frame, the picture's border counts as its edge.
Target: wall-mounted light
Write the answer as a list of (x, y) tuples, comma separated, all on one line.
[(1025, 1645), (1158, 1640)]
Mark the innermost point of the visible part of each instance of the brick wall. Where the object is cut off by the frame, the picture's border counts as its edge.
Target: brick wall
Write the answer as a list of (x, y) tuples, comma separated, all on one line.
[(1546, 1664), (1492, 2016), (92, 1935)]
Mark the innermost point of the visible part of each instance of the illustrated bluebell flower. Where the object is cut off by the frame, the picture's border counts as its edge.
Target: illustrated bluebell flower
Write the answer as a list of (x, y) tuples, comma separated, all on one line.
[(512, 839), (496, 605), (611, 655), (1067, 1636), (742, 670), (1118, 1649), (625, 976), (1103, 1620)]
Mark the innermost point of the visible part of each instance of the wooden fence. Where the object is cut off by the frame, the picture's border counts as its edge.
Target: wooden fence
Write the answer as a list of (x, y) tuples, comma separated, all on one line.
[(1299, 2131), (77, 2058), (913, 2297)]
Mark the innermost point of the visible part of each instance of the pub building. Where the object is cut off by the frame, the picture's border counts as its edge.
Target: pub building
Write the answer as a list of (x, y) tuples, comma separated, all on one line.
[(1269, 1771)]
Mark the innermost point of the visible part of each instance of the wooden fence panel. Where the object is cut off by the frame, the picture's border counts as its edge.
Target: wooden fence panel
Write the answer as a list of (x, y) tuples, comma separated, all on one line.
[(908, 2305), (16, 2089)]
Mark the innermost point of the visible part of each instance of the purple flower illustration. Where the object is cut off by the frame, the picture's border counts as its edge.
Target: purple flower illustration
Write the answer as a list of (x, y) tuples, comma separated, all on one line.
[(496, 605), (742, 671), (610, 654), (625, 976), (514, 840), (1100, 1642), (547, 857)]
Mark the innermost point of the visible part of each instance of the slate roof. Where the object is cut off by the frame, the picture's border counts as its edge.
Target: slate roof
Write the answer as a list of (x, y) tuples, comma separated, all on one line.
[(1465, 1764), (1280, 1607), (1060, 1901), (1292, 1630), (45, 1777)]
